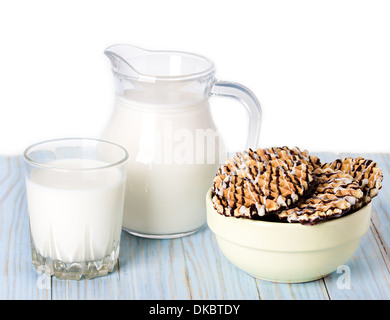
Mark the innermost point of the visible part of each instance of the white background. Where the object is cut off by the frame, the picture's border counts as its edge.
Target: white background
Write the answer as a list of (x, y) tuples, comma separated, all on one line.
[(320, 69)]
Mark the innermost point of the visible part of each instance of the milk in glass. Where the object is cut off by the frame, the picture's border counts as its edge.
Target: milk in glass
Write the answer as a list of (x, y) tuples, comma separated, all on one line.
[(75, 215)]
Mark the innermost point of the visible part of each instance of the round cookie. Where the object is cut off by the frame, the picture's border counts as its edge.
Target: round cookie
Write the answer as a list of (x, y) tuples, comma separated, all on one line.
[(366, 172), (286, 153), (253, 184), (335, 194)]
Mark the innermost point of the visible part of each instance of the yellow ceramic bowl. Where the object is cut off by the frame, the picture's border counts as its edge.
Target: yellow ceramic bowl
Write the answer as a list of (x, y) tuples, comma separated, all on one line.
[(288, 252)]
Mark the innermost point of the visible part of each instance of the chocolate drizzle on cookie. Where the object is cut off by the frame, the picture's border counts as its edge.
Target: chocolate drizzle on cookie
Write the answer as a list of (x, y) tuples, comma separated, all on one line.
[(254, 184), (335, 194), (289, 185), (365, 171)]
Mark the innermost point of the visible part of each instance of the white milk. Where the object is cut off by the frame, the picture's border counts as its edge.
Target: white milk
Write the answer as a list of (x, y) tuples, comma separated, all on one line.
[(75, 216), (168, 177)]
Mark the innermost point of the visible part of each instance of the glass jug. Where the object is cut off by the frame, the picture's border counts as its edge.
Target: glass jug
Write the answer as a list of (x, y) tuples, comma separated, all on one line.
[(162, 117)]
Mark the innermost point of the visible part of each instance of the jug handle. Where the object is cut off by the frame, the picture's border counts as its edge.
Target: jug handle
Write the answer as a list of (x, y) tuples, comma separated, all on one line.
[(249, 100)]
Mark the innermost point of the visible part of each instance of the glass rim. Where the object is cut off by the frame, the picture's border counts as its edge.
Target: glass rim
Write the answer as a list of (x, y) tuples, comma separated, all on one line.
[(30, 161)]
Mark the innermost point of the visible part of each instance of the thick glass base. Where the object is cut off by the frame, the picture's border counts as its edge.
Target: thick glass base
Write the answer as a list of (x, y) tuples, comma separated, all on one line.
[(162, 236), (75, 270)]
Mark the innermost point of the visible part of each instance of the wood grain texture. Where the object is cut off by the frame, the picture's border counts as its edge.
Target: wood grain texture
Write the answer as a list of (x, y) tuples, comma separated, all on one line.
[(18, 278), (192, 267), (210, 274)]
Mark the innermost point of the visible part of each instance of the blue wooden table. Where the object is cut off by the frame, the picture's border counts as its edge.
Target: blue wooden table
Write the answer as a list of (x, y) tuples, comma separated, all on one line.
[(186, 268)]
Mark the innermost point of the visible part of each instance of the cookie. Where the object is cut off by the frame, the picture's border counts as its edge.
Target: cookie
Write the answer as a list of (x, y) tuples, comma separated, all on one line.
[(366, 172), (253, 184), (286, 153), (336, 194)]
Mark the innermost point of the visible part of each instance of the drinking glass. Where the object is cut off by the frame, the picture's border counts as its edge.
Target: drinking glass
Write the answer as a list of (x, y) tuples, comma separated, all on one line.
[(75, 195)]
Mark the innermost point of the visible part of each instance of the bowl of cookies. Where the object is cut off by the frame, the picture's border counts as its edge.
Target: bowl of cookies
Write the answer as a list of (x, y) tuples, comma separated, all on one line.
[(283, 215)]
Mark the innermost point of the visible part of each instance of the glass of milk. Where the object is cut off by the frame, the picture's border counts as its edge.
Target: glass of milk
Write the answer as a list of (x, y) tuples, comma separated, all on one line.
[(75, 196)]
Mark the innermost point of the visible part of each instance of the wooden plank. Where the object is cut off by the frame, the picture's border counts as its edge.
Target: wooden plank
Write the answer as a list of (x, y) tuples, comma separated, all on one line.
[(152, 269), (369, 276), (210, 274), (18, 277), (314, 290), (381, 203)]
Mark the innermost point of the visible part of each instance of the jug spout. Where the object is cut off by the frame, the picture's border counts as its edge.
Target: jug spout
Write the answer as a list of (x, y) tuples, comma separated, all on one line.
[(121, 56)]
